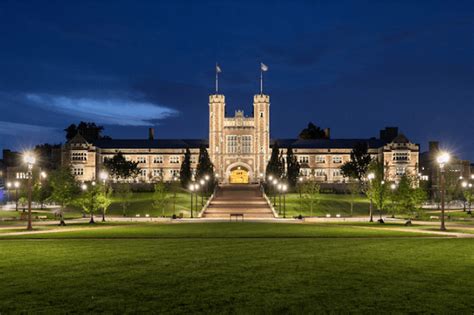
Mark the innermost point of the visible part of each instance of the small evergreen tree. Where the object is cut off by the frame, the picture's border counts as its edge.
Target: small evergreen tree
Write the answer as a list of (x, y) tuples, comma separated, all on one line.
[(205, 167), (292, 167), (274, 166), (185, 173)]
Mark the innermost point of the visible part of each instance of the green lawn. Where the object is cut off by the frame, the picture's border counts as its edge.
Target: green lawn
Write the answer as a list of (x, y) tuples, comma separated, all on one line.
[(236, 268), (329, 204)]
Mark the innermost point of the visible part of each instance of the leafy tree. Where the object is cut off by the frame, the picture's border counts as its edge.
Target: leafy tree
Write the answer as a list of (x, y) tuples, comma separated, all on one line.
[(468, 196), (407, 197), (354, 191), (378, 189), (274, 166), (312, 132), (123, 191), (104, 199), (311, 195), (89, 130), (357, 167), (160, 197), (185, 173), (292, 167), (205, 167), (89, 201), (41, 192), (120, 168), (63, 189)]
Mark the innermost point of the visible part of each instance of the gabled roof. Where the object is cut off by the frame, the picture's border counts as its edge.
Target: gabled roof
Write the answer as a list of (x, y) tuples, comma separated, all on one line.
[(401, 138), (327, 143), (150, 144), (78, 138)]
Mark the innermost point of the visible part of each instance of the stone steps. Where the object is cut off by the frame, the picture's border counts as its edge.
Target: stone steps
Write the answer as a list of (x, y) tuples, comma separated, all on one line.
[(244, 199)]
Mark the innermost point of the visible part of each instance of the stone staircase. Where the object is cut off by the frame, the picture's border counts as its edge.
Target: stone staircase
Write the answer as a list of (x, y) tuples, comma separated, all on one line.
[(245, 199)]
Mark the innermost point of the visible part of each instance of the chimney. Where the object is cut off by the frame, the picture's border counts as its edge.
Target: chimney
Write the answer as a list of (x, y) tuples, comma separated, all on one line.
[(327, 133), (433, 146), (151, 133)]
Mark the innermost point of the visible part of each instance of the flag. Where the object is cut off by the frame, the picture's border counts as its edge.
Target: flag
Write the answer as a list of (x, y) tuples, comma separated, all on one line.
[(218, 69), (263, 67)]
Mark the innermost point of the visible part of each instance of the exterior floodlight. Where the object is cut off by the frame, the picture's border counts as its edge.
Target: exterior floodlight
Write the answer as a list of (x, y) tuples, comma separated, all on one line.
[(104, 175), (9, 185), (191, 187), (84, 187), (16, 184), (207, 177), (202, 182), (275, 181), (464, 184), (29, 158), (270, 178), (393, 186), (443, 158), (371, 176), (284, 187)]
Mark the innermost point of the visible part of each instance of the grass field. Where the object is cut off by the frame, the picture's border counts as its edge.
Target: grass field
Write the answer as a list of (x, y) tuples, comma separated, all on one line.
[(235, 268)]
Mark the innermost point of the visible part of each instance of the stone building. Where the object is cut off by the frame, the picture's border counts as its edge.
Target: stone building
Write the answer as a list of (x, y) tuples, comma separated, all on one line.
[(240, 147)]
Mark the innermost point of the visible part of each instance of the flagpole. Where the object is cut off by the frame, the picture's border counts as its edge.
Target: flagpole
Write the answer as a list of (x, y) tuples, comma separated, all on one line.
[(261, 80), (217, 80)]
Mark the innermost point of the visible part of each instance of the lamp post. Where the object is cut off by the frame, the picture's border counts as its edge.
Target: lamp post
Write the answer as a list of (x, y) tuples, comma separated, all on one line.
[(275, 183), (393, 187), (470, 199), (9, 186), (202, 182), (442, 159), (191, 189), (284, 188), (300, 182), (279, 187), (104, 176), (84, 189), (464, 186), (29, 159), (196, 189), (370, 177)]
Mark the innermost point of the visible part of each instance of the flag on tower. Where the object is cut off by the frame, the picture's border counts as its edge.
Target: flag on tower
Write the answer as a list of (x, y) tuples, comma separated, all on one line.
[(218, 69), (263, 67)]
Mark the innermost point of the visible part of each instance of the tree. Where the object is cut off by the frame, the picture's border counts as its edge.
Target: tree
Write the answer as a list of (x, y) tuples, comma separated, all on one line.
[(185, 173), (89, 130), (468, 196), (63, 189), (120, 168), (311, 195), (274, 166), (354, 191), (123, 191), (89, 201), (41, 192), (104, 199), (292, 167), (407, 197), (160, 197), (357, 167), (205, 168), (378, 190), (312, 132)]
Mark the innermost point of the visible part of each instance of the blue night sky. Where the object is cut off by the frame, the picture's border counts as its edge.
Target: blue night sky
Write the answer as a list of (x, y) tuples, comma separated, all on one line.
[(353, 66)]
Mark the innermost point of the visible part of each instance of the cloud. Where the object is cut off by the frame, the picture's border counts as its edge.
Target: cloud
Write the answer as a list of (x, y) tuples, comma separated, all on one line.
[(8, 128), (113, 111)]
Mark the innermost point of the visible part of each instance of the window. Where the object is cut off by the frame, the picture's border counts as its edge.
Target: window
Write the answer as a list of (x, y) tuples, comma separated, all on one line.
[(141, 159), (303, 159), (193, 159), (305, 172), (157, 173), (21, 175), (320, 172), (246, 144), (143, 172), (400, 171), (158, 159), (336, 172), (320, 159), (174, 159), (337, 159), (174, 173), (400, 156), (79, 156), (231, 144), (78, 171), (261, 114)]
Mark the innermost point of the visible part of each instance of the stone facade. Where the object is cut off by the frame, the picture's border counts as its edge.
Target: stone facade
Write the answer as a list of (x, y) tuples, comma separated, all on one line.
[(241, 143)]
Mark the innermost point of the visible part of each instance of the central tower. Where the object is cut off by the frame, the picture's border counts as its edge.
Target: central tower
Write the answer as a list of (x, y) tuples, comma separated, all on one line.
[(239, 144)]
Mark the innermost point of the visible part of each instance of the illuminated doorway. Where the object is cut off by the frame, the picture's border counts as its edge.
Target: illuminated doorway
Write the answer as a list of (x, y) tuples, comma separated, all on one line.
[(239, 176)]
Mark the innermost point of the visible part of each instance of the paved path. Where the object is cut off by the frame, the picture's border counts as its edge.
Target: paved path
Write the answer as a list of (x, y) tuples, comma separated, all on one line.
[(245, 199)]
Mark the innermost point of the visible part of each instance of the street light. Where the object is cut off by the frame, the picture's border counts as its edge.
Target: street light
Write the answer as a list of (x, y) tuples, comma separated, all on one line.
[(371, 176), (393, 186), (279, 187), (103, 175), (275, 183), (43, 175), (29, 159), (191, 189), (442, 159), (284, 189)]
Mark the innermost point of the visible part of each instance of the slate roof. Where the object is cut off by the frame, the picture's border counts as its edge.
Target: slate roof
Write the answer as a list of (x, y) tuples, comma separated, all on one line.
[(327, 143), (150, 144)]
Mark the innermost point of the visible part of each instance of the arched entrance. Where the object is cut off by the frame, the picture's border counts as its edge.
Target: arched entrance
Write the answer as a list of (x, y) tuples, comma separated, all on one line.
[(239, 173)]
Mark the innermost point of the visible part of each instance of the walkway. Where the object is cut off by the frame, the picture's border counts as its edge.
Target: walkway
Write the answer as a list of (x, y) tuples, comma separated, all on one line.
[(245, 199)]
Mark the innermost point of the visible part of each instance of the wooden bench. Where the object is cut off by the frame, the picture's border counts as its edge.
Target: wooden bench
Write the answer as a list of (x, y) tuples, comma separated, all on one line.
[(434, 217), (237, 215)]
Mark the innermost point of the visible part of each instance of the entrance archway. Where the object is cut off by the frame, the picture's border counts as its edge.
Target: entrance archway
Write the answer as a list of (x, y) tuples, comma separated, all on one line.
[(239, 173), (239, 176)]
